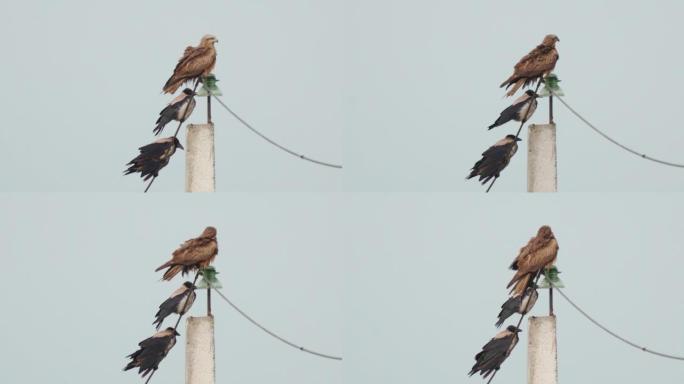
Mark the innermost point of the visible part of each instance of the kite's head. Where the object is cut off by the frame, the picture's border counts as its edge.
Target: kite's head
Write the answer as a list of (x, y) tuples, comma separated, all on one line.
[(208, 41), (545, 232), (550, 40), (209, 233)]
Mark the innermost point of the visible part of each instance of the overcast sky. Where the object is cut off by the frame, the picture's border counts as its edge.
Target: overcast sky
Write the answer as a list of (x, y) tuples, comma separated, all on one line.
[(426, 81), (401, 93), (82, 291), (430, 273), (406, 286), (84, 81)]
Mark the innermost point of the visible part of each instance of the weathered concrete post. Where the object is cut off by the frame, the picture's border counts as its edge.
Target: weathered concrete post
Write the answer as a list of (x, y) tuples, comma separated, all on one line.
[(541, 158), (199, 158), (542, 357), (199, 351)]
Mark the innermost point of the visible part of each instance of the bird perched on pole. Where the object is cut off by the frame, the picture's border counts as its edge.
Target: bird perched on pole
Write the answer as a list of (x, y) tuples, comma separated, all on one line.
[(153, 157), (195, 63), (533, 66), (152, 351), (521, 304), (179, 109), (179, 302), (521, 109), (194, 254), (539, 253), (495, 159), (495, 352)]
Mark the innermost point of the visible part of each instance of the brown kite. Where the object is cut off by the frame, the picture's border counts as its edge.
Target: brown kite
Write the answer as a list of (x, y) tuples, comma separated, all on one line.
[(539, 253), (196, 62), (536, 64), (194, 254)]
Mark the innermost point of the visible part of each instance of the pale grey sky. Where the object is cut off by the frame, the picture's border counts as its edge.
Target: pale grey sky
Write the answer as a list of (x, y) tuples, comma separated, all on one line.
[(84, 83), (430, 273), (405, 286), (82, 291), (426, 81), (399, 92)]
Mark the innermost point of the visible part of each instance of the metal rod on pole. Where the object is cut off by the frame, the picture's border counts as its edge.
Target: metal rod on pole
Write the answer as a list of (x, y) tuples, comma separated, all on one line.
[(550, 301), (551, 109), (208, 301), (209, 110)]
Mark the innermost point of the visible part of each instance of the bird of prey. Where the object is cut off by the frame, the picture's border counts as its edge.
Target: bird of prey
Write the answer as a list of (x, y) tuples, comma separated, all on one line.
[(196, 62), (152, 351), (153, 157), (179, 109), (536, 64), (495, 159), (194, 254), (495, 352), (521, 304), (179, 302), (521, 109), (539, 253)]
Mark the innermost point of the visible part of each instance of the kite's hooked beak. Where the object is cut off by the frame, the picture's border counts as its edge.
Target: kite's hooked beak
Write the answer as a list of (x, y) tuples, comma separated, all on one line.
[(557, 39)]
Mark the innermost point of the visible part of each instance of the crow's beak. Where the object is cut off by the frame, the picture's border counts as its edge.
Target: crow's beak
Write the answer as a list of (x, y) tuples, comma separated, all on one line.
[(180, 146)]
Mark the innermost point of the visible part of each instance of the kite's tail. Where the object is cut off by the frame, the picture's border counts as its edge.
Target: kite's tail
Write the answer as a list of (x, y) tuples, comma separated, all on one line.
[(520, 281), (515, 88)]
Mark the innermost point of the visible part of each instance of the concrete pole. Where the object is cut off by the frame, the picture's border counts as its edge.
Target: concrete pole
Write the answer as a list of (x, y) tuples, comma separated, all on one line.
[(199, 351), (542, 357), (541, 158), (199, 158)]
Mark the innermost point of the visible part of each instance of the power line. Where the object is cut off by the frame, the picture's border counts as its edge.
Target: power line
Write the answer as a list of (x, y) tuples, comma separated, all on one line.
[(291, 152), (590, 125), (615, 334), (272, 333)]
